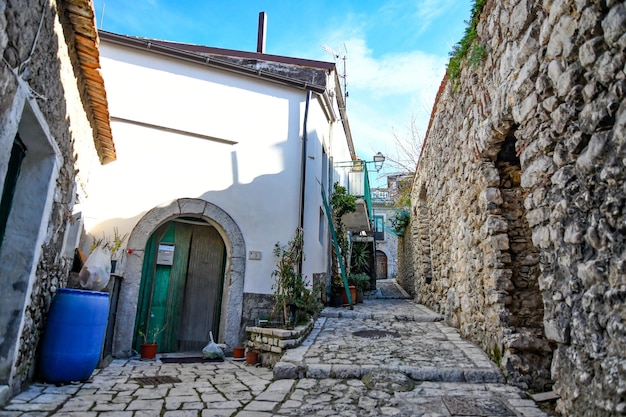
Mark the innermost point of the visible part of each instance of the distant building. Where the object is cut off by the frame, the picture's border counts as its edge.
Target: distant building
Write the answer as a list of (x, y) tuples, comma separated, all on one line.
[(386, 240)]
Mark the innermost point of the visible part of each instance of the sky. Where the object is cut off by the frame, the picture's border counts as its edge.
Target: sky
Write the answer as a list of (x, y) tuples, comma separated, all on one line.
[(395, 51)]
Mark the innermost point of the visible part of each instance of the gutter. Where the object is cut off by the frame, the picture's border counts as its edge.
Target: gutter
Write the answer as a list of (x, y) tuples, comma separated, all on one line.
[(303, 167), (215, 63), (327, 105)]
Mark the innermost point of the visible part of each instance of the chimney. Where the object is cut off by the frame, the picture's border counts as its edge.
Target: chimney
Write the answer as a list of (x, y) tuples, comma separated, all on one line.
[(260, 41)]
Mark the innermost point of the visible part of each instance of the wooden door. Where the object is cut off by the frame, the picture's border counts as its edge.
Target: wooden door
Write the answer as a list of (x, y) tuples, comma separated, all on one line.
[(381, 265), (184, 297), (203, 289)]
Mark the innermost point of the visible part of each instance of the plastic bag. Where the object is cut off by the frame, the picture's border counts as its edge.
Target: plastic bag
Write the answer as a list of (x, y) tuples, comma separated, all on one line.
[(212, 350), (95, 273)]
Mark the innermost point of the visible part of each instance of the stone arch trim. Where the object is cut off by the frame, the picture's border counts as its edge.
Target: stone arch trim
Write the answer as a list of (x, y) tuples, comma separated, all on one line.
[(385, 251), (234, 274)]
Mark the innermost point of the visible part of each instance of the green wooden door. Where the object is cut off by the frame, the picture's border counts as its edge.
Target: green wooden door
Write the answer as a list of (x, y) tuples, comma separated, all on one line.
[(184, 298), (203, 290)]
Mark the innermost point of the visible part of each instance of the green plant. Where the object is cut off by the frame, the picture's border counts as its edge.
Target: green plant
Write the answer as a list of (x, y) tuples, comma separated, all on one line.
[(466, 45), (291, 290), (495, 354), (360, 257), (151, 335), (342, 203), (361, 281), (114, 245), (99, 242), (117, 240), (399, 221), (478, 53)]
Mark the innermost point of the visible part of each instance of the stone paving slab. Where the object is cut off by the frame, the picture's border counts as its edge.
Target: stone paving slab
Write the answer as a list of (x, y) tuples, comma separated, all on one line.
[(206, 389), (339, 347), (324, 397)]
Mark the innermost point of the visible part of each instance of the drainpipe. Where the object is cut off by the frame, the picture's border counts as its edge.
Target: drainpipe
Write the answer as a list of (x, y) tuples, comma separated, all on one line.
[(303, 165)]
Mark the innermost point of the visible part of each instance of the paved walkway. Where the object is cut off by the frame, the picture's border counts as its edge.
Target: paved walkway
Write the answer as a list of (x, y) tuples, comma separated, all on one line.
[(387, 357)]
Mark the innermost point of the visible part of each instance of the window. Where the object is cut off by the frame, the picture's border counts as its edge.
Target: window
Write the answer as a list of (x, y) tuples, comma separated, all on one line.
[(18, 152), (379, 227)]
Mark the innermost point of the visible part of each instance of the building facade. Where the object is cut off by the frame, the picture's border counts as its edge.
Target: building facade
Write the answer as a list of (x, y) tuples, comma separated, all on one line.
[(221, 155), (54, 128)]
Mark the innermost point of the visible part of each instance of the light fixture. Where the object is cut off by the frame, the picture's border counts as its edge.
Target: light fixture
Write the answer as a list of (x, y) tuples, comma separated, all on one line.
[(379, 159)]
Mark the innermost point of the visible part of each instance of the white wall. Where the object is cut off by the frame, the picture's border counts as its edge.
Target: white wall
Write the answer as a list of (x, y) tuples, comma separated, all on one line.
[(256, 180)]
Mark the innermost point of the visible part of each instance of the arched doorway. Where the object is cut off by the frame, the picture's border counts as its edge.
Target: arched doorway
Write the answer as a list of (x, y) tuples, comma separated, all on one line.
[(381, 265), (230, 330), (181, 286)]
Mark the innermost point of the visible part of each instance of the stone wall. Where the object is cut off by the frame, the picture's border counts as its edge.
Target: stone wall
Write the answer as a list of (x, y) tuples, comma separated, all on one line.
[(518, 216), (406, 269), (37, 68), (271, 343), (255, 306)]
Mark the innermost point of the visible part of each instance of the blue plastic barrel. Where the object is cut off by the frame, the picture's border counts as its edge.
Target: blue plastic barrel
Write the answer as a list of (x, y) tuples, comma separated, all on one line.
[(74, 335)]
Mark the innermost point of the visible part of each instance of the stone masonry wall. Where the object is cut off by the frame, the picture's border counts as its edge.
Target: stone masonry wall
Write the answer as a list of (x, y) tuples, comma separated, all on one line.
[(519, 199), (46, 64), (406, 269)]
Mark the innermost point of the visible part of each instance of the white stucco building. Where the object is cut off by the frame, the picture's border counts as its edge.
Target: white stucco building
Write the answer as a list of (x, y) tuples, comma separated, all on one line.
[(220, 155)]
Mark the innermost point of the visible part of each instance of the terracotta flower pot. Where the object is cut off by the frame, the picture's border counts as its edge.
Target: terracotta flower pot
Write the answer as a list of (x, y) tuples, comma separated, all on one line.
[(252, 357), (352, 295), (238, 352), (149, 350)]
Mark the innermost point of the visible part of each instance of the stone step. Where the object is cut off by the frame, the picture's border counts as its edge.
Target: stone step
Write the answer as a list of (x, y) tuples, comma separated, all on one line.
[(287, 370), (351, 314)]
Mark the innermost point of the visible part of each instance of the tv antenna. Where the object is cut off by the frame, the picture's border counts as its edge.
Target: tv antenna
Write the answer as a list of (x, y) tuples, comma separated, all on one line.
[(343, 57)]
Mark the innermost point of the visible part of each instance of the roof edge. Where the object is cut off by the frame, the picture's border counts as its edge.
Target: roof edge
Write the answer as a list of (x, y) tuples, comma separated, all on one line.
[(159, 48)]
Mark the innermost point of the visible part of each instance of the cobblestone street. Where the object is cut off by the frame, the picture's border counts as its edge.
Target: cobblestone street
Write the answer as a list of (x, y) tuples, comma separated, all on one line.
[(387, 357)]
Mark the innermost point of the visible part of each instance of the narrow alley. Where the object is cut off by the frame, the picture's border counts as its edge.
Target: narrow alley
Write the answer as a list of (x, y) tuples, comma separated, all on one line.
[(387, 357)]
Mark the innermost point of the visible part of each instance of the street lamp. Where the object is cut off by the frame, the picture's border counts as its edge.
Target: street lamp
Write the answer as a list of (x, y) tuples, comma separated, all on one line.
[(379, 160)]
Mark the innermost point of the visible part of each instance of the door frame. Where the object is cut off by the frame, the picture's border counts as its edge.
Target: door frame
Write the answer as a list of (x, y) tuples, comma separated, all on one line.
[(234, 269), (378, 256)]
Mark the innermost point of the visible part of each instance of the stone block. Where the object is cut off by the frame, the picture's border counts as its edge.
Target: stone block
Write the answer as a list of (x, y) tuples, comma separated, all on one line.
[(283, 370), (557, 330), (614, 24)]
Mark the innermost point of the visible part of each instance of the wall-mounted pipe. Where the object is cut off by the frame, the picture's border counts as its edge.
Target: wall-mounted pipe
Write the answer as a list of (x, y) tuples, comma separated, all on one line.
[(303, 165)]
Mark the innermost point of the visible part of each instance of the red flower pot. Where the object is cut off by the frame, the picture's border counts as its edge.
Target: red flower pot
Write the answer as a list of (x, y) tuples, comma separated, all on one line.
[(149, 350), (238, 352), (252, 357), (352, 295)]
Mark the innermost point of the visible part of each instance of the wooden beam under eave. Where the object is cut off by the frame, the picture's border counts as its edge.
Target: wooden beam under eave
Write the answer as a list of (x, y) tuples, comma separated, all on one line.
[(83, 25)]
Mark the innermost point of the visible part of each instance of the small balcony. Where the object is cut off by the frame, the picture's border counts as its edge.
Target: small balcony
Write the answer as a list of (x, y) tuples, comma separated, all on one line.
[(358, 185)]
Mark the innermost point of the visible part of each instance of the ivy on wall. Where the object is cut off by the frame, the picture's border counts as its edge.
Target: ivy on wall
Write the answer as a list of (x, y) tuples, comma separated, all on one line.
[(466, 47)]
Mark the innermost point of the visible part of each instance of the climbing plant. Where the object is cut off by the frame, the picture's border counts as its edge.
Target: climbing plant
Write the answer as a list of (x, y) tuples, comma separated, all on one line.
[(342, 203), (400, 221), (466, 46)]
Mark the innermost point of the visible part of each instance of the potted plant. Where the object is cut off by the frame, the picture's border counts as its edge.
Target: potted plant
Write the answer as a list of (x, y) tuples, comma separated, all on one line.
[(342, 203), (362, 283), (336, 291), (116, 247), (252, 357), (150, 346), (360, 266), (294, 300)]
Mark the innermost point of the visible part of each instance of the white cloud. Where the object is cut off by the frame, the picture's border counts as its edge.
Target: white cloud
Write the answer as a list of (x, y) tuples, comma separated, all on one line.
[(386, 93)]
